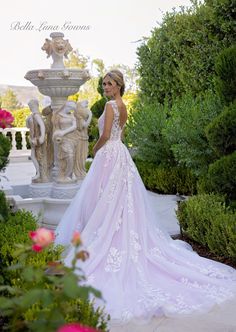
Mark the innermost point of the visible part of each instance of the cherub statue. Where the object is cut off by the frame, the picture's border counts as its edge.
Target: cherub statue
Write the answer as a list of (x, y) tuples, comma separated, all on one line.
[(36, 126), (64, 136), (83, 117), (47, 113)]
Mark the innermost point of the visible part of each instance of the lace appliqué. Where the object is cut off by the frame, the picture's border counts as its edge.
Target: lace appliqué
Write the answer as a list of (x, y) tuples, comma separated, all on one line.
[(135, 246), (151, 297), (213, 292), (120, 220), (156, 252), (114, 260)]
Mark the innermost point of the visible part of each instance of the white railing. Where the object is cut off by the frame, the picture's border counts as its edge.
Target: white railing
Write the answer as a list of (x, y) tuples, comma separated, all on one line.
[(16, 152)]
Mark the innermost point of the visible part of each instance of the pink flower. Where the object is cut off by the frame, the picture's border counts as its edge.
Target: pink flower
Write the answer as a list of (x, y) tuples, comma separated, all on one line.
[(75, 327), (42, 237), (6, 119), (36, 247), (76, 240)]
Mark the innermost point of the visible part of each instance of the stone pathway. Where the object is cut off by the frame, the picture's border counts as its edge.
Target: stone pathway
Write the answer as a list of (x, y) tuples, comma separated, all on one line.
[(219, 319)]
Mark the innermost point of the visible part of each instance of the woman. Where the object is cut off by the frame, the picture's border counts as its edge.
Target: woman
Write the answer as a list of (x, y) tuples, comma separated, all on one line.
[(140, 270)]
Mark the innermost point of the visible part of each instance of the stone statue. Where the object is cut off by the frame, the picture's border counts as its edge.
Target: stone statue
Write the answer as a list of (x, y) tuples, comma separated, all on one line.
[(64, 135), (83, 118), (47, 113), (38, 143), (57, 48)]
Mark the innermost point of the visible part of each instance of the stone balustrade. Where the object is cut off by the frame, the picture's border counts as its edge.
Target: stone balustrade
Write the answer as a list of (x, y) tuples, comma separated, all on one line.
[(16, 151)]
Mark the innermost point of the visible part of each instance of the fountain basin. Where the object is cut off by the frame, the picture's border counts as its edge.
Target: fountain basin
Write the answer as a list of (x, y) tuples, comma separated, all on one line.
[(58, 82)]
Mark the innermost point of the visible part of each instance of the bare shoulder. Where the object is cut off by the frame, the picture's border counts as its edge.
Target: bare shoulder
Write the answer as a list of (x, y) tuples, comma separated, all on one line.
[(109, 113)]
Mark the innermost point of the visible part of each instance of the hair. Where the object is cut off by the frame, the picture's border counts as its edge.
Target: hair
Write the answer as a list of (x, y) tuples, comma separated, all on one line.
[(118, 77)]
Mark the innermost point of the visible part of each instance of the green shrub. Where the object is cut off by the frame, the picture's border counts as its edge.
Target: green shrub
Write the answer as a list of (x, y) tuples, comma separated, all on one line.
[(221, 238), (30, 295), (206, 219), (144, 134), (98, 107), (4, 207), (93, 135), (5, 148), (180, 54), (221, 132), (87, 165), (14, 230), (196, 214), (185, 133), (226, 74), (167, 180), (221, 177), (78, 311)]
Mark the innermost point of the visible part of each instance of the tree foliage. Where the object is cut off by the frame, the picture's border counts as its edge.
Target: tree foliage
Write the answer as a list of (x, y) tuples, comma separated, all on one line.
[(144, 134), (9, 100), (225, 80), (185, 130), (180, 54)]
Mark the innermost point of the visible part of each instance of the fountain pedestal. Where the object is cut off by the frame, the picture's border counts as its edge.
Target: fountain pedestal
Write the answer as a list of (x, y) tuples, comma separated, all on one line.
[(50, 199)]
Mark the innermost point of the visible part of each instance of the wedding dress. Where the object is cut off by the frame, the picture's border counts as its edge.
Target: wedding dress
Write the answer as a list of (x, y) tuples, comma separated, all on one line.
[(139, 269)]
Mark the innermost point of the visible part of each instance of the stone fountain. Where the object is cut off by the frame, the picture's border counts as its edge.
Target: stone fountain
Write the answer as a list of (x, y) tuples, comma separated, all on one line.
[(58, 136)]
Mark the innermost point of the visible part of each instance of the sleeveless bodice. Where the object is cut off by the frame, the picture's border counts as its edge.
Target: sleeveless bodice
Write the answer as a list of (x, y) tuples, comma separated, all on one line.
[(116, 128)]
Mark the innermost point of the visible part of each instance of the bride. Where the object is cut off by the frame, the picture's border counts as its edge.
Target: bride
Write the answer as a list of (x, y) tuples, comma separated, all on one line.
[(139, 269)]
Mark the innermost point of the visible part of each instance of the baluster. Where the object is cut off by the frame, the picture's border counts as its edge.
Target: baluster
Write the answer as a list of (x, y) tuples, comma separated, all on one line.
[(23, 135), (13, 132)]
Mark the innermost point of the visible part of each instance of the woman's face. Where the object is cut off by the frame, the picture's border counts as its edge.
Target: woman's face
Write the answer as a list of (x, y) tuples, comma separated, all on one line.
[(110, 87)]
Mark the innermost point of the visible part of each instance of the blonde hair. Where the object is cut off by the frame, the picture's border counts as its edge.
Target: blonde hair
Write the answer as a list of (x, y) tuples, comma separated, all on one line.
[(118, 77)]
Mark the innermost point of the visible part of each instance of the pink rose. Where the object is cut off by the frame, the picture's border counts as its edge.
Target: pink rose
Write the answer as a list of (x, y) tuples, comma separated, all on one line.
[(42, 237), (75, 327), (6, 119), (76, 239), (36, 247)]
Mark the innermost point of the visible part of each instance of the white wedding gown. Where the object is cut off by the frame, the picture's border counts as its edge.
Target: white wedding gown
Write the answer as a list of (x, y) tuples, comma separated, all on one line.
[(139, 269)]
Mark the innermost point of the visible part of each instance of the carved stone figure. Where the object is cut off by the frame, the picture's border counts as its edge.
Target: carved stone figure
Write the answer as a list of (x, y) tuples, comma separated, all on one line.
[(57, 48), (83, 118), (47, 113), (64, 135), (36, 126)]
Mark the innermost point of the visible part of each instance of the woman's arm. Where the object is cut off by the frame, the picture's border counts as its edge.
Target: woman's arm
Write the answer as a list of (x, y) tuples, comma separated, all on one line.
[(109, 116)]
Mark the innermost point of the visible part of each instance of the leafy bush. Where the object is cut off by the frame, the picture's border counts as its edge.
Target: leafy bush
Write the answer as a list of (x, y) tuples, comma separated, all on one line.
[(221, 177), (87, 165), (221, 238), (225, 80), (144, 134), (5, 148), (185, 130), (93, 135), (30, 299), (180, 54), (207, 220), (48, 296), (20, 116), (13, 230), (98, 107), (4, 207), (221, 132), (167, 180)]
